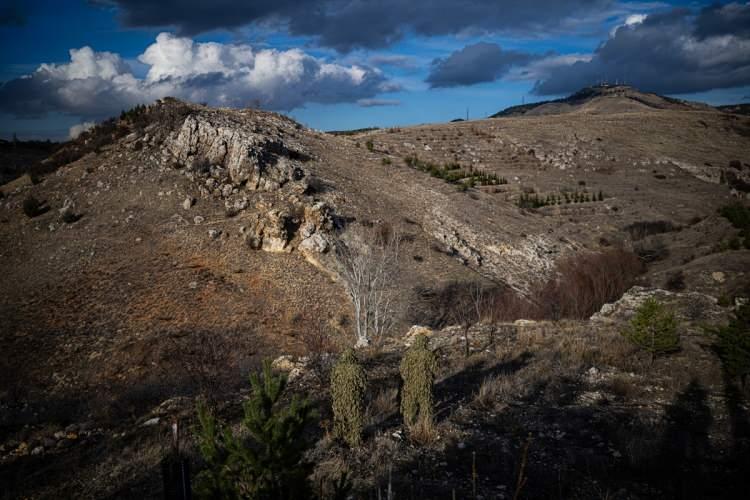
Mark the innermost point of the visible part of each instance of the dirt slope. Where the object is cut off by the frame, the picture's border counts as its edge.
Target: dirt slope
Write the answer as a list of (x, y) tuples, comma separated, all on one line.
[(217, 229)]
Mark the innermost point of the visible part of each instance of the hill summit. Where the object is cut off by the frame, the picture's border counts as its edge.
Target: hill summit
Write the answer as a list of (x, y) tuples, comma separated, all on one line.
[(602, 99)]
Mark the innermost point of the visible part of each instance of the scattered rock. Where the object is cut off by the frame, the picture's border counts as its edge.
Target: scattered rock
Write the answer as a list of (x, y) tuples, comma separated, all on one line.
[(286, 363), (417, 330)]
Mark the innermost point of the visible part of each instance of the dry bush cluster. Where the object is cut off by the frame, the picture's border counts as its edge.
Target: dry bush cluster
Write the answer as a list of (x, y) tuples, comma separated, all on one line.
[(642, 229), (580, 286)]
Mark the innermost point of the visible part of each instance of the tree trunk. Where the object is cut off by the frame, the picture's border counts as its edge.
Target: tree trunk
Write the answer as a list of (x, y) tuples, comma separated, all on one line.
[(466, 341)]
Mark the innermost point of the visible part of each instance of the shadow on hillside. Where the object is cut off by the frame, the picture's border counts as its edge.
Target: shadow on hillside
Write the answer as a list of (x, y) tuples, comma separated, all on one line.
[(459, 388), (584, 452)]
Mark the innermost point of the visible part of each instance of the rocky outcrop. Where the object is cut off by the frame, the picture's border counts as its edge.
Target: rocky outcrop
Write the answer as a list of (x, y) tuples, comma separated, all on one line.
[(518, 265), (234, 154), (278, 229), (250, 160), (687, 305)]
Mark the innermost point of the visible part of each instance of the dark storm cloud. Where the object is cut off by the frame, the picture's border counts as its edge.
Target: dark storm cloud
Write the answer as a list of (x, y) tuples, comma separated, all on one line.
[(672, 53), (481, 62), (347, 24), (722, 19), (12, 15)]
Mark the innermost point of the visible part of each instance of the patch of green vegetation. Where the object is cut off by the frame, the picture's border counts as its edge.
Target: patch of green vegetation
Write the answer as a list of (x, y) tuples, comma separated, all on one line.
[(535, 200), (653, 329), (733, 343), (270, 464), (352, 132), (453, 173), (739, 216)]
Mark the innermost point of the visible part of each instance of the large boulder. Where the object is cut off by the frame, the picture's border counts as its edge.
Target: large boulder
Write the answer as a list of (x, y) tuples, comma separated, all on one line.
[(234, 153)]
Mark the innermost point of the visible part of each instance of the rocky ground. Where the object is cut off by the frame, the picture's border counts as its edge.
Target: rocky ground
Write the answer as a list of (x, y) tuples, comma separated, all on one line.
[(195, 242)]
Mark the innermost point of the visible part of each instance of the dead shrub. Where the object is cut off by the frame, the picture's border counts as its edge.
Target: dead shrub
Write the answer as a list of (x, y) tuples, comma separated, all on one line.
[(383, 405), (617, 352), (676, 281), (318, 344), (652, 250), (493, 389), (581, 285), (578, 351), (586, 282), (623, 387), (642, 229), (423, 433)]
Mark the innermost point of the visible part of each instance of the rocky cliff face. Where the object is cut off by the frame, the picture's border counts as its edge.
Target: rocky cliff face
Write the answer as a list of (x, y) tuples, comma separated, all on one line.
[(254, 164), (518, 264)]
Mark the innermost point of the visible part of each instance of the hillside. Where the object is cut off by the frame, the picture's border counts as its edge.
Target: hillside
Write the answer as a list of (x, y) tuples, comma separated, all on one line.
[(176, 247), (602, 99)]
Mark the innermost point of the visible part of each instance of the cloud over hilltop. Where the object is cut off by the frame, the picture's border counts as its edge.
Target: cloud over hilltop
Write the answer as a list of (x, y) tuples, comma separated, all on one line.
[(671, 52), (97, 84)]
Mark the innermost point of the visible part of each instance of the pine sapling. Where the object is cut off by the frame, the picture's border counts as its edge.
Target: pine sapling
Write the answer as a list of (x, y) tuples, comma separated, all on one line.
[(653, 329)]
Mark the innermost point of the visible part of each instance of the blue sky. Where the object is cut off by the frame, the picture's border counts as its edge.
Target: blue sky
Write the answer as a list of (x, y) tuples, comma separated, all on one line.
[(341, 64)]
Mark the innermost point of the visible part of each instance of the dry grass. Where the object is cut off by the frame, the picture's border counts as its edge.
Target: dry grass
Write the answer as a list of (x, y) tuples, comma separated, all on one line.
[(423, 433), (640, 445), (624, 387), (383, 405), (493, 389)]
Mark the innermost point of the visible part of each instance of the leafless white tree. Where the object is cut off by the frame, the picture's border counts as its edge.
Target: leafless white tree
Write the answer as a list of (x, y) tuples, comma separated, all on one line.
[(367, 263)]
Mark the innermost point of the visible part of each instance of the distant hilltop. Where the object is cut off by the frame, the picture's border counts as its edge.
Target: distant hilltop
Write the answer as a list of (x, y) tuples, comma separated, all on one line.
[(605, 99)]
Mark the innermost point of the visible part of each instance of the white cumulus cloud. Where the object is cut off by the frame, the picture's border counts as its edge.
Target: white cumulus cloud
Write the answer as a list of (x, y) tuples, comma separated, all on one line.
[(80, 128), (98, 84)]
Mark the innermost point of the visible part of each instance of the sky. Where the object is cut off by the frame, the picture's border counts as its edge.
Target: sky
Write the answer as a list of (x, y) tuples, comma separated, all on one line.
[(344, 64)]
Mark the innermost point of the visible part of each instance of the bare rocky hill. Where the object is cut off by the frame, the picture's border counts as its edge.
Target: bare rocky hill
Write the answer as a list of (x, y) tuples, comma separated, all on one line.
[(603, 99), (182, 227)]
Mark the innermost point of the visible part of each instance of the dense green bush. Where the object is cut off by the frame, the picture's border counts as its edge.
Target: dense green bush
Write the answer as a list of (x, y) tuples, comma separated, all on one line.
[(348, 385), (739, 216), (418, 369), (733, 344), (653, 329), (269, 464)]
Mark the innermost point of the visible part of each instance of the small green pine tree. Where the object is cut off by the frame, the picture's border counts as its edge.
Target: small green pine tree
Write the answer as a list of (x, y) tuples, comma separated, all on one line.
[(418, 369), (733, 344), (271, 464), (654, 329), (348, 385), (216, 480)]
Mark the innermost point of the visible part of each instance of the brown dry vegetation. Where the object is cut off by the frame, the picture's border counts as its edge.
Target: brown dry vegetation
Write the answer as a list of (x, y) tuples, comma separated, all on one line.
[(132, 311)]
